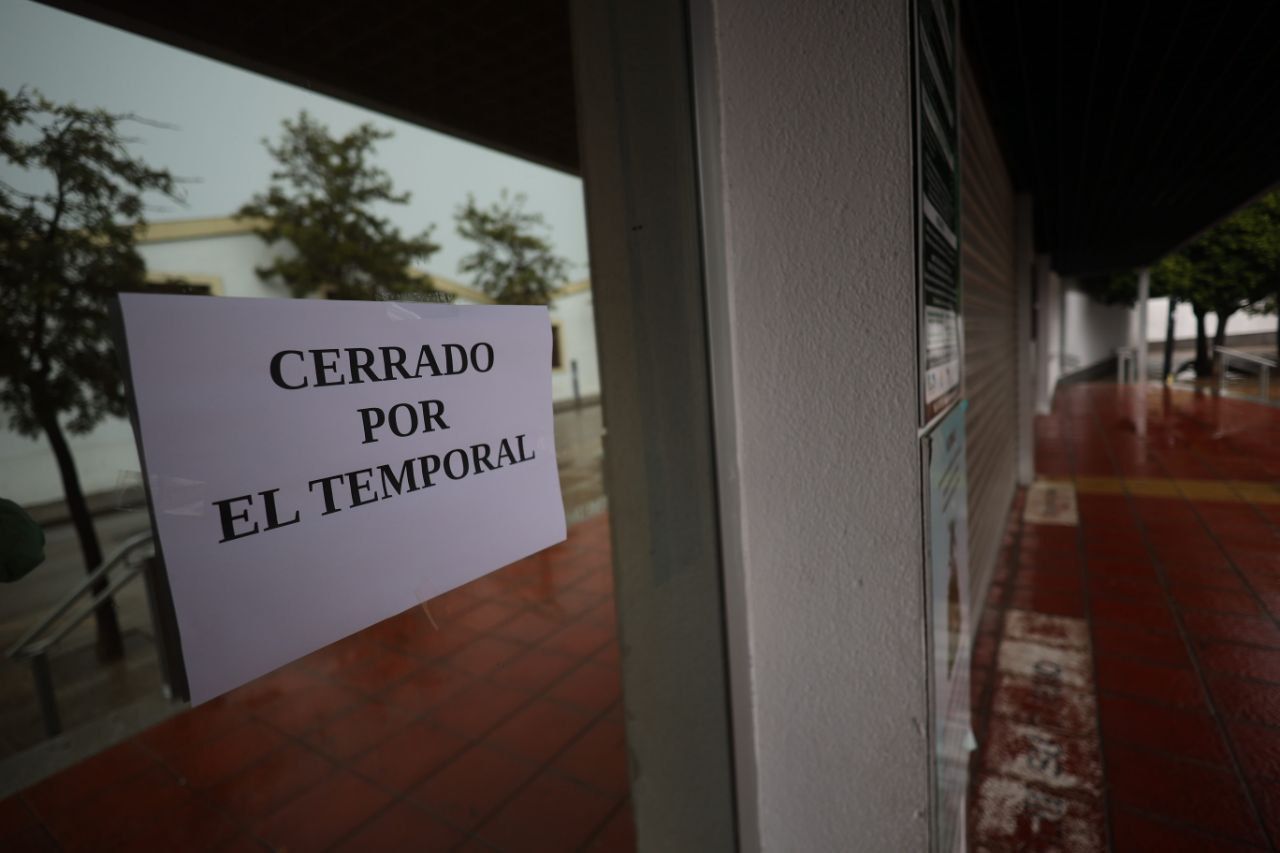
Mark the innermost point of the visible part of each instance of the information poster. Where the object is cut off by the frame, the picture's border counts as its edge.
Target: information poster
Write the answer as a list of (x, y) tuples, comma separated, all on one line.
[(948, 565), (315, 466), (938, 206)]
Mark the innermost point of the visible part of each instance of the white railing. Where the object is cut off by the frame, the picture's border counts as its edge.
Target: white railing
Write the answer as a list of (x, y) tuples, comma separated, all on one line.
[(1264, 368)]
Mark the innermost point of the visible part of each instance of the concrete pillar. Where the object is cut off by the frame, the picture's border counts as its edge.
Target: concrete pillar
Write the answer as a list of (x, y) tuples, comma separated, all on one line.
[(1144, 295), (1047, 333), (810, 111)]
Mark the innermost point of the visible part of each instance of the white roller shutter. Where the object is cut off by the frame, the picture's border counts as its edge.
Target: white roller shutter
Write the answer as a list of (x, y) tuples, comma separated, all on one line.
[(990, 351)]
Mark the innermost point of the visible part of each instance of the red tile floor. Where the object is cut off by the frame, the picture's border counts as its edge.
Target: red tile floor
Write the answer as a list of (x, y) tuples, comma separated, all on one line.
[(490, 720), (1126, 675)]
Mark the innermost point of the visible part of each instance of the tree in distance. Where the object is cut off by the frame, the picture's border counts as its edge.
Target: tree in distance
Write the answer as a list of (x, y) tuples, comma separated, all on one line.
[(321, 202), (513, 262), (67, 246), (1233, 266)]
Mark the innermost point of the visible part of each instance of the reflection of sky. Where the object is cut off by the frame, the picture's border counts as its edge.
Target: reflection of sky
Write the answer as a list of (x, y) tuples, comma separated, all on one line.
[(223, 113)]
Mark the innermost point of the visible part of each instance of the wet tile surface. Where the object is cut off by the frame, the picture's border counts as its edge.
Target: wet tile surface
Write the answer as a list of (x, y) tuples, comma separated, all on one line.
[(490, 719), (1131, 696)]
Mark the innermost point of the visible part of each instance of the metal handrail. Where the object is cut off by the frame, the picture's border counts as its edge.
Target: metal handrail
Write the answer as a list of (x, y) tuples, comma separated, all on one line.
[(1247, 356), (28, 646), (34, 647), (1264, 375)]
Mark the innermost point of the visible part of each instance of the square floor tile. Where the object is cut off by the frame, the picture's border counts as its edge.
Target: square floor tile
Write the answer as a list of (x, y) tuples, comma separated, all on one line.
[(1137, 833), (539, 730), (480, 707), (1249, 630), (473, 785), (591, 687), (599, 758), (324, 814), (1164, 647), (402, 827), (1206, 797), (1236, 659), (551, 814), (410, 755), (1174, 686), (534, 670), (1190, 734), (267, 785), (213, 760), (357, 730)]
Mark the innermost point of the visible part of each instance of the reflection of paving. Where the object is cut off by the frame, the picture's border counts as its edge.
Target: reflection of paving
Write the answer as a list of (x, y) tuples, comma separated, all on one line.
[(1127, 670), (88, 691), (491, 719)]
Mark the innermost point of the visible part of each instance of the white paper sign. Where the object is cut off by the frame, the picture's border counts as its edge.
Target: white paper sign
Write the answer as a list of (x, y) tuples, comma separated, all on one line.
[(316, 466)]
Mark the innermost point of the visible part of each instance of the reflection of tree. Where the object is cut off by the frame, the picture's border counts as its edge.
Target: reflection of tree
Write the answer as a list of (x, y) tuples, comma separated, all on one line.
[(1233, 266), (322, 202), (66, 248), (513, 262)]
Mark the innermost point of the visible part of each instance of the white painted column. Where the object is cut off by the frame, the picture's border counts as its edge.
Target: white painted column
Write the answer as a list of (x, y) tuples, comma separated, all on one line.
[(1144, 295), (1046, 331), (812, 149)]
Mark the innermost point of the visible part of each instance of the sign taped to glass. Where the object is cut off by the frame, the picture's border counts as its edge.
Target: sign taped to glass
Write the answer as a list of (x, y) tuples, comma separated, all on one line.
[(315, 467)]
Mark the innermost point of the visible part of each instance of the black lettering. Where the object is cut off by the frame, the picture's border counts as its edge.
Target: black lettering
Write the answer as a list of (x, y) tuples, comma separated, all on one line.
[(269, 504), (360, 361), (366, 418), (480, 456), (324, 368), (429, 465), (278, 378), (520, 444), (326, 484), (475, 359), (397, 362), (357, 487), (432, 410), (391, 480), (449, 364), (427, 358), (465, 463), (229, 518), (393, 419), (504, 450)]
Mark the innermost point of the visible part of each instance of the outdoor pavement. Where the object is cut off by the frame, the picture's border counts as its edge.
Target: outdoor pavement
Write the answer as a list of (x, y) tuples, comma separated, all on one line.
[(490, 719), (99, 704), (1126, 677)]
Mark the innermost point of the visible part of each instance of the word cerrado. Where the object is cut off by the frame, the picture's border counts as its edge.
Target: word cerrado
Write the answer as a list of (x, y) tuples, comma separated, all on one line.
[(295, 370)]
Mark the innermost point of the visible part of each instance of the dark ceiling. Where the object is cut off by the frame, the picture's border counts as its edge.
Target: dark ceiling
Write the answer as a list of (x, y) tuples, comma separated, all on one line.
[(1134, 124), (497, 72)]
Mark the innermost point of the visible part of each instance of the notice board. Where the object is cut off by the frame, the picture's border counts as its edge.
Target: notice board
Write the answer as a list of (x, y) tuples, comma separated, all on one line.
[(947, 539), (937, 181), (317, 466)]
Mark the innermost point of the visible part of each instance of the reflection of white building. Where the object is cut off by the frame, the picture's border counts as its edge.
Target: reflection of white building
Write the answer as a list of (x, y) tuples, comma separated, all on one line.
[(220, 255)]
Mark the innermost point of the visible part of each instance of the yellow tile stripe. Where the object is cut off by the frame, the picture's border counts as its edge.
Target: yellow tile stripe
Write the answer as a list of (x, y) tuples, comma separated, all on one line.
[(1243, 491)]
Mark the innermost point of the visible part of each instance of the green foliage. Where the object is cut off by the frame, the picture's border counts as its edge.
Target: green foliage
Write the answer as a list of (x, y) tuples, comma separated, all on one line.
[(66, 248), (321, 201), (1233, 266), (513, 262)]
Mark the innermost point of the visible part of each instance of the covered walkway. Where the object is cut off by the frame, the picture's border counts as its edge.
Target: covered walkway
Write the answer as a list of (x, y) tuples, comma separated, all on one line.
[(1127, 670)]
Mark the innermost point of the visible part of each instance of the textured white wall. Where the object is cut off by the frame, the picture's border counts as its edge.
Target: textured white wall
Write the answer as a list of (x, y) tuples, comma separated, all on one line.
[(1093, 331), (231, 258), (1184, 320), (578, 341), (815, 148)]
